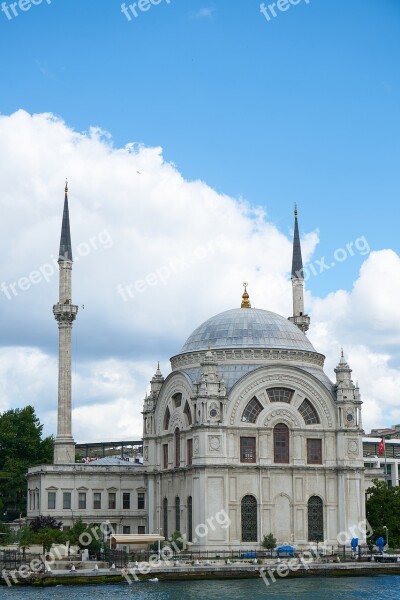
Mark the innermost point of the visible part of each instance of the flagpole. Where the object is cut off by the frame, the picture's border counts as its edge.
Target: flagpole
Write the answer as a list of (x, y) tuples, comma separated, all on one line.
[(386, 473)]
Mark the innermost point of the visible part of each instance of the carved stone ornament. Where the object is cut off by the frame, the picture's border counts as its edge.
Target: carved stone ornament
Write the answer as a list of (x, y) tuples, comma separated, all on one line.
[(352, 447), (214, 443)]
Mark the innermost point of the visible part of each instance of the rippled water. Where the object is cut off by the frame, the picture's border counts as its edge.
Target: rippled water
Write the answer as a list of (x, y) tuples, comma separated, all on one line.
[(318, 588)]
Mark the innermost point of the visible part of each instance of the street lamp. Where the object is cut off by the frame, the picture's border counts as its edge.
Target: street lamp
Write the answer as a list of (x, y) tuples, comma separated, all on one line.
[(387, 537), (159, 545)]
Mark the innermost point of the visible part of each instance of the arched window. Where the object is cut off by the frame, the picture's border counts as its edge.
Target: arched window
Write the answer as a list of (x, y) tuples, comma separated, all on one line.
[(252, 410), (167, 417), (190, 519), (308, 412), (177, 514), (177, 447), (165, 518), (188, 413), (315, 519), (249, 519), (281, 443), (280, 394), (177, 398)]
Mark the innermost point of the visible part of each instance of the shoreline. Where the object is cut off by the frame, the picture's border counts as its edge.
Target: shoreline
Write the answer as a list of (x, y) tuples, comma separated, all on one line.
[(268, 572)]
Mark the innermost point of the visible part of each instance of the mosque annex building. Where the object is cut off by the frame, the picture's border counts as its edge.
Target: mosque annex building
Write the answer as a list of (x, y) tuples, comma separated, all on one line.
[(247, 422)]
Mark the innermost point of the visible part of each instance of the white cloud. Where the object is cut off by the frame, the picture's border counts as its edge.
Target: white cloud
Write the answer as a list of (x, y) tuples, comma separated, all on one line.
[(203, 13), (179, 252), (365, 322)]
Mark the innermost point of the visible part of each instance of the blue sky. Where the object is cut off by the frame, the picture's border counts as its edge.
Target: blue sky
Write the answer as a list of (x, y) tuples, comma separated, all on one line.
[(302, 108)]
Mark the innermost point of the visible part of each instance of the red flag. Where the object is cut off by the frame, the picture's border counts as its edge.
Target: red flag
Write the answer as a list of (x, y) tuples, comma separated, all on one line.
[(381, 447)]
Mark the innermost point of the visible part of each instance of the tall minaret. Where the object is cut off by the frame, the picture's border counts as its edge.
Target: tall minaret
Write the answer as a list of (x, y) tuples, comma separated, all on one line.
[(299, 318), (65, 313)]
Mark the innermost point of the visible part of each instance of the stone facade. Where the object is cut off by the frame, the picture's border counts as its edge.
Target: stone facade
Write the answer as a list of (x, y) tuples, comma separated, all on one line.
[(208, 449), (94, 493), (247, 431)]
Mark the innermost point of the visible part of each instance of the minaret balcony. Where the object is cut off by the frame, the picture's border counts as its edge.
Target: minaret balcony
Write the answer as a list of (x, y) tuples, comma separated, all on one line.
[(65, 312), (301, 321)]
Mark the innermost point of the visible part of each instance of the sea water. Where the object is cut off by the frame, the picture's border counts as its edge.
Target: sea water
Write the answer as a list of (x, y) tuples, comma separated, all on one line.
[(310, 588)]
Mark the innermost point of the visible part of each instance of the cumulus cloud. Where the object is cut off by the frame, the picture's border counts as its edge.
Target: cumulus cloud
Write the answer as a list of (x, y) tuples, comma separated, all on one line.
[(154, 256)]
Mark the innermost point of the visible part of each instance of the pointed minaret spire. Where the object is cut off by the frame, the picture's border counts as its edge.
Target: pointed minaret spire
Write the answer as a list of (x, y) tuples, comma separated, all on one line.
[(299, 318), (65, 313), (297, 260), (65, 241)]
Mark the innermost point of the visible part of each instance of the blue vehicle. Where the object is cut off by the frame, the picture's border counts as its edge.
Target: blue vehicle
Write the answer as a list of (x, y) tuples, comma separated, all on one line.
[(285, 551), (248, 555)]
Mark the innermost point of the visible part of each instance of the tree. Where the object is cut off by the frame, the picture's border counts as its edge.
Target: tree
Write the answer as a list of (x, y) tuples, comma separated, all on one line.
[(89, 537), (383, 508), (5, 535), (47, 531), (21, 447), (26, 538), (42, 522), (177, 540), (269, 542), (49, 536)]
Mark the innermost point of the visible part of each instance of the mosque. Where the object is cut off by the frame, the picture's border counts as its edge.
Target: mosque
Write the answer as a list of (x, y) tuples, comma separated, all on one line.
[(246, 436)]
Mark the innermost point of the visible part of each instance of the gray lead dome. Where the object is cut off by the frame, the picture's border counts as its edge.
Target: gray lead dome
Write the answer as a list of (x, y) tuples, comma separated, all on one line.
[(247, 328)]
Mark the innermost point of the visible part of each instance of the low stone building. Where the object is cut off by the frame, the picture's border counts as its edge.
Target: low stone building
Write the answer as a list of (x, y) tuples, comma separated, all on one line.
[(104, 491)]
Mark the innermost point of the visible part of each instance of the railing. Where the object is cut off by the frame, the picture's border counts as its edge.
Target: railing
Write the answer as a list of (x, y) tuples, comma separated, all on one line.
[(11, 560), (326, 553), (119, 558)]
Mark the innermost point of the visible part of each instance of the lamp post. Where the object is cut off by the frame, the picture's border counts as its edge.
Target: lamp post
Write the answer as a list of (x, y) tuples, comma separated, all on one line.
[(387, 537), (159, 545)]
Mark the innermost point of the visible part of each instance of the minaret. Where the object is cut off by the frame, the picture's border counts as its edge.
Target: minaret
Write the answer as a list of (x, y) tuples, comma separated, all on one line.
[(299, 318), (65, 313)]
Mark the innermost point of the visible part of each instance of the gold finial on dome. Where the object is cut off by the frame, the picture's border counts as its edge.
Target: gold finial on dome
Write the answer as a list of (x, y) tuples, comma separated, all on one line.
[(245, 297)]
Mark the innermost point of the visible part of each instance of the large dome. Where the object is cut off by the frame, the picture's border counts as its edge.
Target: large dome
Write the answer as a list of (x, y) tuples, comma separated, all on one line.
[(247, 328)]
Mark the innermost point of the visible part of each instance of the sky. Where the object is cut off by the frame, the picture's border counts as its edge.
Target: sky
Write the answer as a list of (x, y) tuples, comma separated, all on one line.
[(188, 131)]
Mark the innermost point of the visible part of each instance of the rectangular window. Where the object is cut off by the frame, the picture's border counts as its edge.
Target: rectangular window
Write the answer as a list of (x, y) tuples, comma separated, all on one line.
[(177, 448), (126, 529), (281, 444), (66, 500), (82, 500), (314, 452), (247, 449), (141, 529), (165, 456), (189, 452), (126, 500), (97, 500), (140, 500), (51, 500), (112, 500), (389, 475)]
